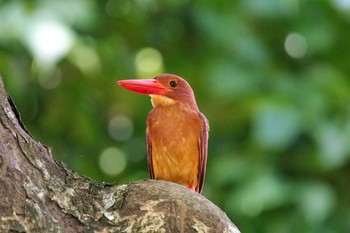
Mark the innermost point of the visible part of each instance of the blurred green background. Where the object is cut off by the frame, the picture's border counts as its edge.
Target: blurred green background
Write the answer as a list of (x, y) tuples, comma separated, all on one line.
[(271, 76)]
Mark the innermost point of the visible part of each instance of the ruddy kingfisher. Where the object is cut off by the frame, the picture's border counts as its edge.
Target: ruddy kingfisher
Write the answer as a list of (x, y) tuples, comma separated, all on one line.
[(176, 133)]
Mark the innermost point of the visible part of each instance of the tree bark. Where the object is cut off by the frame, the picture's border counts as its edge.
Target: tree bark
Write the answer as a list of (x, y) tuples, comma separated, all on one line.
[(37, 194)]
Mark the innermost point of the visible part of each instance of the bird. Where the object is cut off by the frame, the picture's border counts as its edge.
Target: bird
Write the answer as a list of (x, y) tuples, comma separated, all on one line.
[(176, 132)]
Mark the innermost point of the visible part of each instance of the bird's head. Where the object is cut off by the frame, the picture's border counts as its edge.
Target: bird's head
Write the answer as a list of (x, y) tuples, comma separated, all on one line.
[(164, 89)]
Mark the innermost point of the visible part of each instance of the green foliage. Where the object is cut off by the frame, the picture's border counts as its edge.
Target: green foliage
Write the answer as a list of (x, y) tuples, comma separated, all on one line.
[(271, 77)]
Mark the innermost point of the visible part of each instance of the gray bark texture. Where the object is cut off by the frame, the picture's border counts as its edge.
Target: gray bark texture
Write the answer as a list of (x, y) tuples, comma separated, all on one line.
[(37, 194)]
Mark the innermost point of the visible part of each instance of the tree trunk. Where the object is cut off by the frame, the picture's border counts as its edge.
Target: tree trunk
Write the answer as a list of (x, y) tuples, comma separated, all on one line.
[(37, 194)]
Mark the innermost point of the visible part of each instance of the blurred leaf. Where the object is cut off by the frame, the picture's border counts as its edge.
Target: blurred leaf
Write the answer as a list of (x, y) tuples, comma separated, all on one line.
[(276, 126), (316, 201)]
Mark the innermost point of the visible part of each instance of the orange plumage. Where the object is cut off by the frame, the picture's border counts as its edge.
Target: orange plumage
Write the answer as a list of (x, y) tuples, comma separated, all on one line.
[(177, 133)]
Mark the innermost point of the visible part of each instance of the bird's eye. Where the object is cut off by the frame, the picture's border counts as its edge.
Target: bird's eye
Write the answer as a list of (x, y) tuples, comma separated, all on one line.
[(173, 83)]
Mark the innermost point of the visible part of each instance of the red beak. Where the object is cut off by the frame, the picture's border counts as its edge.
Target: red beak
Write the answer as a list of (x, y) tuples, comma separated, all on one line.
[(143, 86)]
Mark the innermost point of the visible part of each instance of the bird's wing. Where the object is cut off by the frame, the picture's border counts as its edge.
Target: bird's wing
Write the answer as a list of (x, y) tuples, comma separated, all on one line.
[(149, 155), (203, 152)]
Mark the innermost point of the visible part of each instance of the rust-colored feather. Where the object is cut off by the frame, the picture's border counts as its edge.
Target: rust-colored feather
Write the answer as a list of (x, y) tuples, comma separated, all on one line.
[(203, 152), (177, 144)]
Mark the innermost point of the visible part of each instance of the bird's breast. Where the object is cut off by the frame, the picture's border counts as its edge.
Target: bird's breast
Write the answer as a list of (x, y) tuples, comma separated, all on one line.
[(174, 136)]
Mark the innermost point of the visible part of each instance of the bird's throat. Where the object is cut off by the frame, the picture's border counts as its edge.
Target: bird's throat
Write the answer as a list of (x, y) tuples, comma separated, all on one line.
[(159, 100)]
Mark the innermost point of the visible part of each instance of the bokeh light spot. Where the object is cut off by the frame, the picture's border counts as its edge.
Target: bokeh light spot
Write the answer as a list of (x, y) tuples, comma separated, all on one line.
[(276, 126), (333, 145), (316, 201), (50, 77), (120, 128), (149, 62), (112, 161), (342, 4), (295, 45), (251, 205), (49, 42), (86, 59)]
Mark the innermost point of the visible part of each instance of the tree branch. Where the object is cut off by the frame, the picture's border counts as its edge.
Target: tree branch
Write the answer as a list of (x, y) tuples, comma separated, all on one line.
[(37, 194)]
